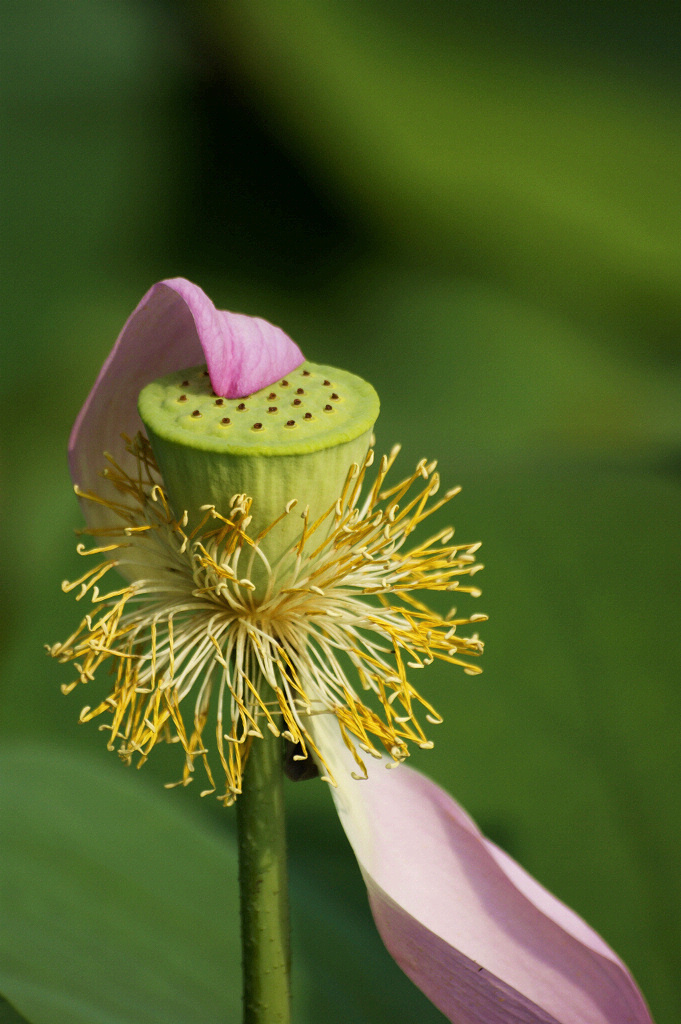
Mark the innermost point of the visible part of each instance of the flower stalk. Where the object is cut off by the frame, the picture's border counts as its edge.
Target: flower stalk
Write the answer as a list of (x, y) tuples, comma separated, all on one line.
[(263, 888)]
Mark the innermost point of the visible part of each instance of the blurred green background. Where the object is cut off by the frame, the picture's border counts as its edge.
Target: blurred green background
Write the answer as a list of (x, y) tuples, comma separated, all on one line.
[(475, 205)]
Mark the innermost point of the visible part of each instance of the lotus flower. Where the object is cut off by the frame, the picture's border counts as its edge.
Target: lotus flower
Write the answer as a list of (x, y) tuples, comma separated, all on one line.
[(484, 941)]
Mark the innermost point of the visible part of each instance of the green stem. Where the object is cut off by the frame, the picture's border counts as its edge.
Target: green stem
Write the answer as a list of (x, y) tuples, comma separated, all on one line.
[(265, 935)]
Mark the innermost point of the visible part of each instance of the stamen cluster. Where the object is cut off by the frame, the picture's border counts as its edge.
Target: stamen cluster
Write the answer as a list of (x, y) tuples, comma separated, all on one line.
[(188, 621)]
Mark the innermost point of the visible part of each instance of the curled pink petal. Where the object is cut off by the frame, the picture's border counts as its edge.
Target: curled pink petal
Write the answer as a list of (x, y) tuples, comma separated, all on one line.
[(175, 326), (243, 353), (481, 938)]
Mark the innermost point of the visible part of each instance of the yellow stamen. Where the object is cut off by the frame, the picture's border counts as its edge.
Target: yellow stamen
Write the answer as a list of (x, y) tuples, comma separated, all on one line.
[(188, 621)]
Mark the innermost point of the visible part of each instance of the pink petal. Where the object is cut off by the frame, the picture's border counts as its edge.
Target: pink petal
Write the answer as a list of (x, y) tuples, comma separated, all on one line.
[(175, 326), (243, 353), (481, 938)]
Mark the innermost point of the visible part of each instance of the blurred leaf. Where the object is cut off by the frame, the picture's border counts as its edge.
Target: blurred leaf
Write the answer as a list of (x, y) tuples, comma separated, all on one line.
[(109, 912), (466, 368), (120, 906), (547, 167), (86, 121), (8, 1015)]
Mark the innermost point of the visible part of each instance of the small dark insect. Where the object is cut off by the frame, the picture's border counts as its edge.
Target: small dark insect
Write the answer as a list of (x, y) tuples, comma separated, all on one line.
[(298, 771)]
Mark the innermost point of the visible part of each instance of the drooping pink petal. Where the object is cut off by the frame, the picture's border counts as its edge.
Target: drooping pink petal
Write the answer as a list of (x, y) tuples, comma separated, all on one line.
[(481, 938), (175, 326)]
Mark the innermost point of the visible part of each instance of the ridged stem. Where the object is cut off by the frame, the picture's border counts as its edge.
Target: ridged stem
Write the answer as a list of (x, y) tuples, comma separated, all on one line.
[(263, 885)]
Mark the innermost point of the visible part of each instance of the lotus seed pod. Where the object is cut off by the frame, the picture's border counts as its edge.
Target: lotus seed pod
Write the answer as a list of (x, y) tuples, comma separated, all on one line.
[(295, 439)]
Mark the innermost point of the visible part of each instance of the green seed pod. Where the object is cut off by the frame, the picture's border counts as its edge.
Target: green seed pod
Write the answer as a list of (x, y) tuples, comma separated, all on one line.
[(292, 441)]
